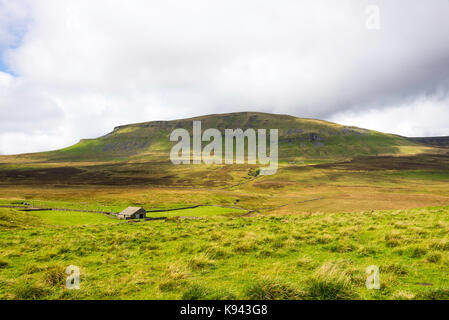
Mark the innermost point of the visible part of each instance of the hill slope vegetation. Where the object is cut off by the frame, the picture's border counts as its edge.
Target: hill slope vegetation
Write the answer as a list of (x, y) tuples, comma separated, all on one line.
[(298, 138)]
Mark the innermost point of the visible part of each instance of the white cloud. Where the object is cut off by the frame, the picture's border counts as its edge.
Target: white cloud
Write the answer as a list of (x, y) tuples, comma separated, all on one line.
[(13, 17), (83, 67), (10, 142), (420, 118)]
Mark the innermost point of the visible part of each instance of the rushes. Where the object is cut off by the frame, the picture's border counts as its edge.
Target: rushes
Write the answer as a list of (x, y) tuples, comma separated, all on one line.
[(330, 282), (272, 289), (174, 278), (55, 276)]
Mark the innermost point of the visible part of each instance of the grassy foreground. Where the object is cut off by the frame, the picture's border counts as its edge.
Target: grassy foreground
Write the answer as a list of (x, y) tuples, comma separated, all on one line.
[(308, 256)]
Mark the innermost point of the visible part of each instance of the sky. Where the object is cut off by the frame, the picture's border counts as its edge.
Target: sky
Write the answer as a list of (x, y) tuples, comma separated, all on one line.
[(76, 69)]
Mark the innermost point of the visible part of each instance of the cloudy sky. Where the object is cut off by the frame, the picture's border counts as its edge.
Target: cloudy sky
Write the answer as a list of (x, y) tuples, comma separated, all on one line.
[(75, 69)]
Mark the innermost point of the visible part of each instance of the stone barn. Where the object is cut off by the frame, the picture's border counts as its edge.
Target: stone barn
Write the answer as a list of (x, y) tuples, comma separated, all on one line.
[(132, 213)]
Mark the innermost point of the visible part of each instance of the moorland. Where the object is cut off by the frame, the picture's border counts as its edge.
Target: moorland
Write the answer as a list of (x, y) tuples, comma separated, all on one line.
[(343, 198)]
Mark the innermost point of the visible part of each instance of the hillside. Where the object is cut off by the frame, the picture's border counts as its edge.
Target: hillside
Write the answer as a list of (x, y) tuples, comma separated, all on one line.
[(433, 141), (298, 139)]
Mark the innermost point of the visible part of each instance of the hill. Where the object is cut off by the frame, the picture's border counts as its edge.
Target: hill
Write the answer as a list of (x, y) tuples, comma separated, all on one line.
[(298, 139), (441, 142)]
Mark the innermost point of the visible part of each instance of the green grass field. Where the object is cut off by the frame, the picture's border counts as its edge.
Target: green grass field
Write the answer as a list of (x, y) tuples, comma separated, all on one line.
[(314, 256), (67, 218)]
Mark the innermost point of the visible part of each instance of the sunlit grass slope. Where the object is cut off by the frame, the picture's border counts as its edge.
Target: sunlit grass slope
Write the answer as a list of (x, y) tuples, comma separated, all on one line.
[(310, 256)]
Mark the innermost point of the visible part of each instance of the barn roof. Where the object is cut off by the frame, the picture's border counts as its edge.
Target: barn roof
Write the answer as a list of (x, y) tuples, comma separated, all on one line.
[(131, 210)]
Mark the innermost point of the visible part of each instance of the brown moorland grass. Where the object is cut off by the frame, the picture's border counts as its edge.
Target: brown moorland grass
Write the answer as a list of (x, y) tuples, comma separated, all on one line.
[(331, 187)]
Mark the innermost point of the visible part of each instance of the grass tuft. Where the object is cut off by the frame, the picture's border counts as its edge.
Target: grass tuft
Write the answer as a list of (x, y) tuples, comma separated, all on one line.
[(330, 282), (201, 261), (272, 289), (54, 276), (434, 257), (29, 291), (196, 292), (434, 294)]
